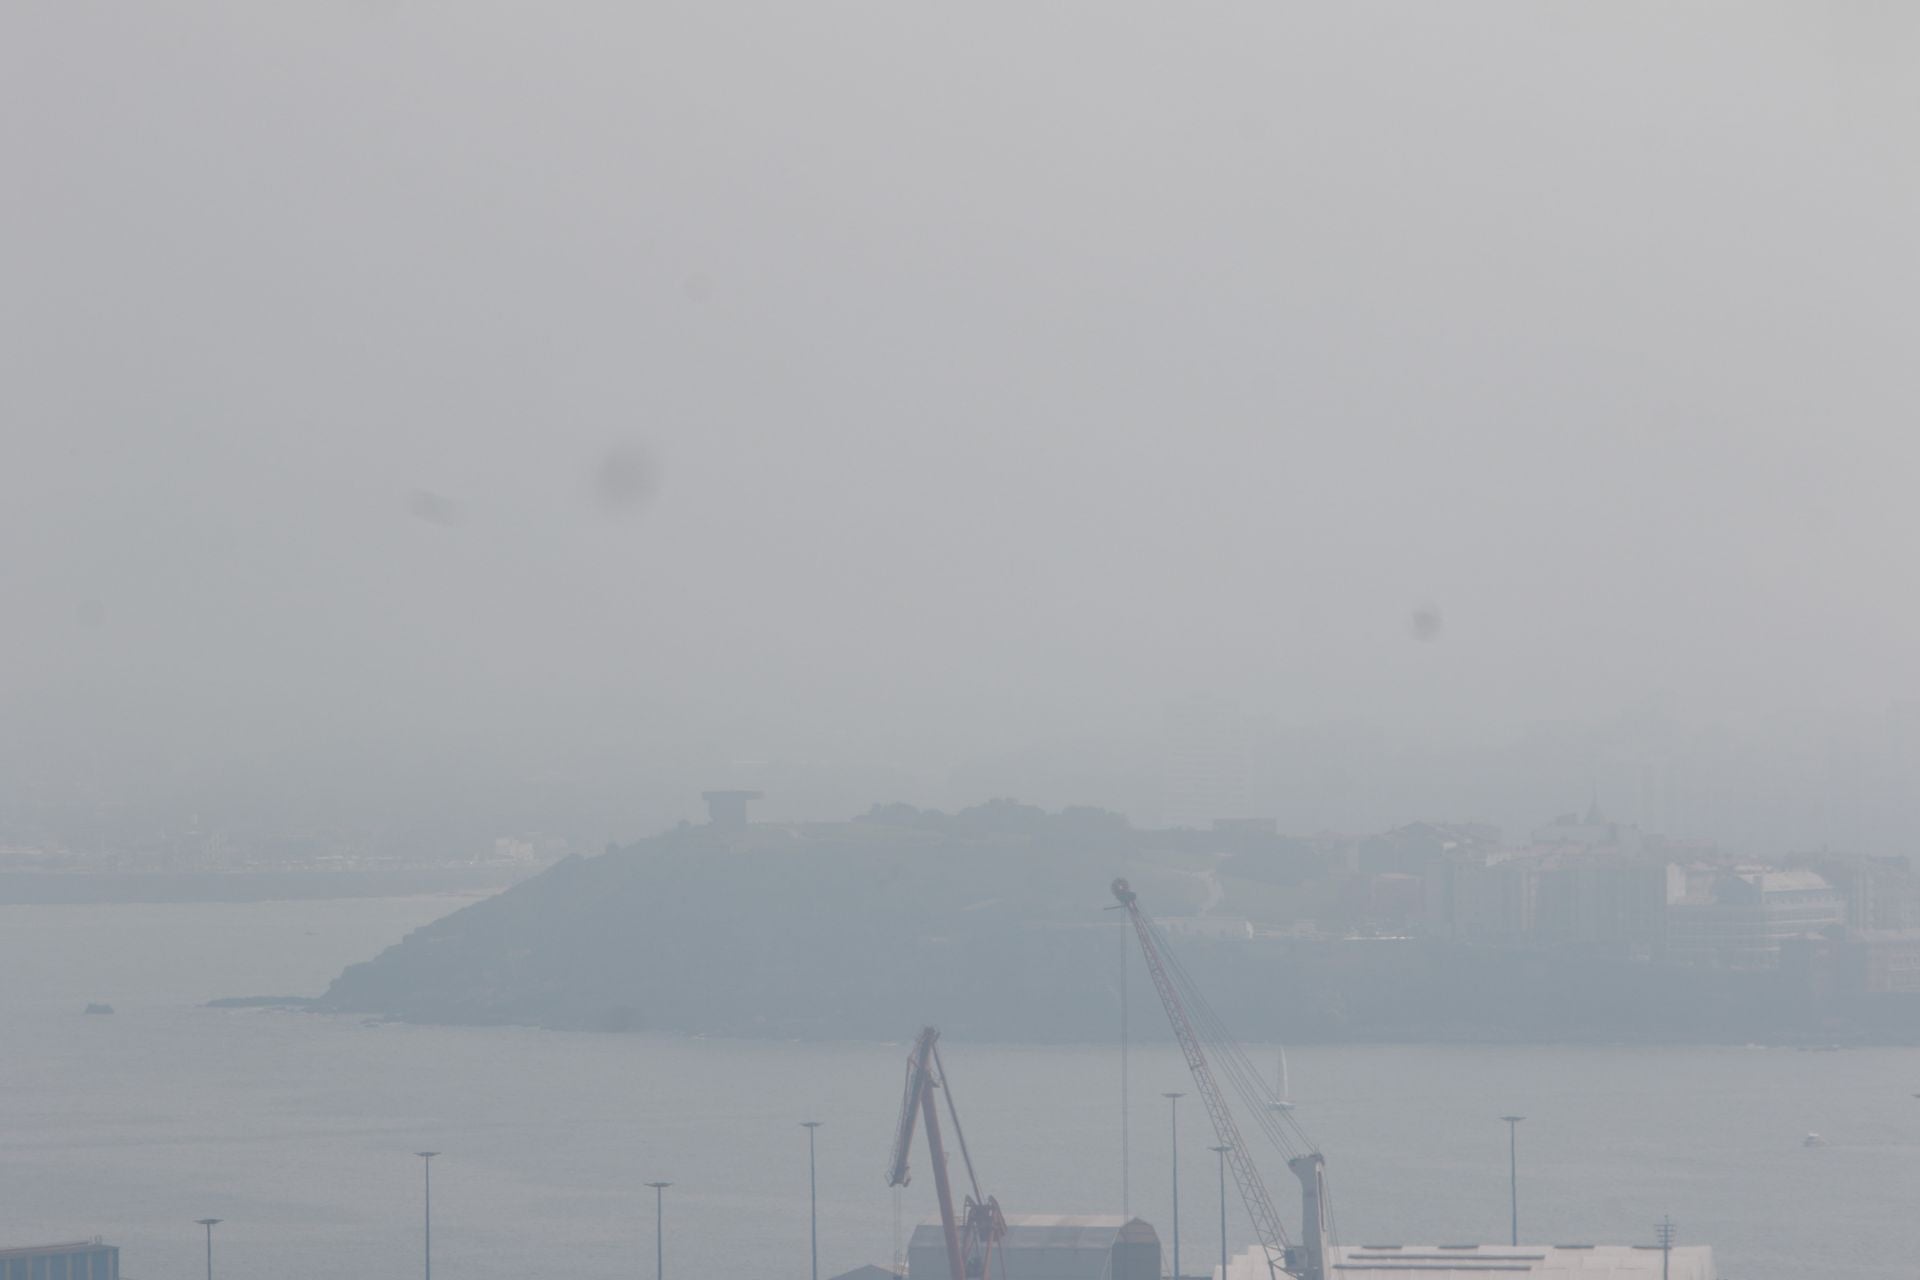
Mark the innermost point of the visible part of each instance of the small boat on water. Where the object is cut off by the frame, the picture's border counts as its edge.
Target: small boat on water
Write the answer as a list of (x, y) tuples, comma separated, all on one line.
[(1813, 1140), (98, 1009)]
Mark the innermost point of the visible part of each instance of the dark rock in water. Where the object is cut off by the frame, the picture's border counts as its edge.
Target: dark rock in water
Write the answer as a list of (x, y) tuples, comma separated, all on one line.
[(98, 1008)]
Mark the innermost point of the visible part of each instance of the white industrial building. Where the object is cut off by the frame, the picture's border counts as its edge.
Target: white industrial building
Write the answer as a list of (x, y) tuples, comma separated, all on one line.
[(1052, 1247), (1497, 1262)]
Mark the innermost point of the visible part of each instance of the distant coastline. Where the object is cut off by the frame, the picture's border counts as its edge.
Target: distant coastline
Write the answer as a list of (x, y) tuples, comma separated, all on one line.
[(989, 923), (62, 888)]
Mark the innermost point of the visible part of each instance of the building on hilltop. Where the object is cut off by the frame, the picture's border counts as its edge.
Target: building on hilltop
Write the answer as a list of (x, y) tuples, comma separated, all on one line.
[(1881, 893), (1555, 898), (1614, 902), (1418, 848), (728, 808), (84, 1260), (1487, 900), (1591, 830), (1738, 918), (1387, 903)]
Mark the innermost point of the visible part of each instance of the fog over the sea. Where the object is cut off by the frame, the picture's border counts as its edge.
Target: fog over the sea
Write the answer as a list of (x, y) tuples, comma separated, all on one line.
[(528, 415)]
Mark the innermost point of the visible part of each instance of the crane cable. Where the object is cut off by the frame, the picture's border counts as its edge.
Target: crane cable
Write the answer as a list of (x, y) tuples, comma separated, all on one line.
[(1248, 1082), (1247, 1079), (953, 1112), (1281, 1127)]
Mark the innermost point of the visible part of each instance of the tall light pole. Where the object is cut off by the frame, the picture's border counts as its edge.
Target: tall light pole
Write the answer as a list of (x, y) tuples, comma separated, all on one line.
[(813, 1198), (209, 1224), (426, 1168), (1222, 1153), (1126, 1163), (1173, 1109), (659, 1240), (1126, 1156), (1513, 1172)]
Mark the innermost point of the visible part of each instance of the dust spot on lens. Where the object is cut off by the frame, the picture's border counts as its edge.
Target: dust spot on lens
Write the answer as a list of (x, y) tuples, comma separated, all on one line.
[(623, 478), (434, 508)]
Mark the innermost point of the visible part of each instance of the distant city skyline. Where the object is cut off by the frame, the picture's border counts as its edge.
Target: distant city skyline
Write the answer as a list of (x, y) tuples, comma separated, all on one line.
[(1785, 784)]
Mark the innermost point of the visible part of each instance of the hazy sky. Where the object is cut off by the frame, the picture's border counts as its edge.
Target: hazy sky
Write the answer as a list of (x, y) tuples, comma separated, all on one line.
[(602, 395)]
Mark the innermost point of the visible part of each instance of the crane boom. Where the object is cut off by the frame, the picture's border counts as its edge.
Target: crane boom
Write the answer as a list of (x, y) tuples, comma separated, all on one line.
[(1253, 1192), (972, 1235)]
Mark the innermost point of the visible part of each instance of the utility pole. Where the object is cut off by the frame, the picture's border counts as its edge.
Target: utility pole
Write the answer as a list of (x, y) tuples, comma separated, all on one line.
[(659, 1240), (813, 1198), (1513, 1172), (1666, 1246), (426, 1165), (1126, 1161), (1173, 1110), (209, 1224)]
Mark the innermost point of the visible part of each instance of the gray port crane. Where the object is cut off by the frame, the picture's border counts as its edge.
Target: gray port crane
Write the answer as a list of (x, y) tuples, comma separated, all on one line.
[(1195, 1025)]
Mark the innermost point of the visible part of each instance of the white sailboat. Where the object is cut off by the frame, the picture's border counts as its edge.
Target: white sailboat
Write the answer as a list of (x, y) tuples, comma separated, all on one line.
[(1283, 1100)]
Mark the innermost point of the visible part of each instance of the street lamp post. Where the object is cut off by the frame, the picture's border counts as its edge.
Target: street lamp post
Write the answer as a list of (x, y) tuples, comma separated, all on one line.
[(813, 1198), (1173, 1110), (426, 1169), (1221, 1151), (659, 1240), (209, 1224), (1513, 1173)]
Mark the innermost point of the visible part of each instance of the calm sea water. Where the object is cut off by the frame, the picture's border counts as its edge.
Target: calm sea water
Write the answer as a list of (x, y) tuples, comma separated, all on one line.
[(297, 1129)]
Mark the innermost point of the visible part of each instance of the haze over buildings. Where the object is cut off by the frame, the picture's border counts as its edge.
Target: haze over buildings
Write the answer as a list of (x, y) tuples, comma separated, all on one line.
[(776, 520), (429, 416)]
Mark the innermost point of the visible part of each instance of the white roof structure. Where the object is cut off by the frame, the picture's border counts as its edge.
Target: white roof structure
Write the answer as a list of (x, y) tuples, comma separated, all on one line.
[(1496, 1262), (1771, 881)]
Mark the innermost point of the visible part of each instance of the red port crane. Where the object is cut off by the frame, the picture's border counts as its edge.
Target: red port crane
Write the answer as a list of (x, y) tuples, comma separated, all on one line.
[(977, 1231), (1307, 1261)]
